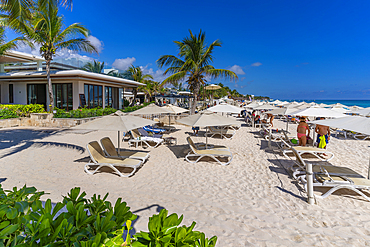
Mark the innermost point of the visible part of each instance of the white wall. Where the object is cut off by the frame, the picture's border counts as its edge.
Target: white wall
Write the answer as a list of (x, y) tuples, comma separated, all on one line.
[(19, 92)]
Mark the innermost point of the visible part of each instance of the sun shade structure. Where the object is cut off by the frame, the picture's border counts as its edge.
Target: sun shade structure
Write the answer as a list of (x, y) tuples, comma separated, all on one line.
[(225, 108), (212, 87), (318, 112), (353, 123), (117, 121), (265, 107), (364, 112), (150, 110), (174, 109), (205, 119)]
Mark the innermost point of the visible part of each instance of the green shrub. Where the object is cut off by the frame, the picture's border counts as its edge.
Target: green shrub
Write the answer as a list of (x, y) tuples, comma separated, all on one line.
[(24, 221), (83, 112), (24, 110), (5, 114)]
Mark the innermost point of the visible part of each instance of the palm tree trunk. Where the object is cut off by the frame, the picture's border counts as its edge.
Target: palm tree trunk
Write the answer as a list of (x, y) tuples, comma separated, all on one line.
[(50, 87), (195, 99), (134, 92)]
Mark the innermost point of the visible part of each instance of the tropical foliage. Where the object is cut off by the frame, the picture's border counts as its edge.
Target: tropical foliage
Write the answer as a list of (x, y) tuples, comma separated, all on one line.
[(96, 67), (77, 221), (42, 24), (193, 64), (137, 74), (14, 110), (83, 112)]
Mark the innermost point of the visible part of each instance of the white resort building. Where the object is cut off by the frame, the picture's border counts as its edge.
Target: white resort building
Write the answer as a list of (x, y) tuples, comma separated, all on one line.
[(23, 81)]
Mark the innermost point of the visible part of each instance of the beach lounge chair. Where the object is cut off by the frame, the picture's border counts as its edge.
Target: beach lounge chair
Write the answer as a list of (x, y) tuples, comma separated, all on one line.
[(144, 133), (359, 136), (317, 152), (97, 158), (213, 153), (274, 135), (299, 168), (336, 178), (144, 139), (222, 132), (111, 151)]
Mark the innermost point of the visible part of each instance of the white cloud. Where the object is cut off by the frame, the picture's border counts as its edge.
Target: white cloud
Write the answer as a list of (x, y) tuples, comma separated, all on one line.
[(64, 56), (157, 74), (257, 64), (237, 69), (123, 63), (99, 45)]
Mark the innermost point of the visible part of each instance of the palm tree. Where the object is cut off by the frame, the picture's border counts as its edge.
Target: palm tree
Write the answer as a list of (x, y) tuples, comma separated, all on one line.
[(45, 28), (9, 45), (193, 64), (137, 75), (96, 67), (151, 88)]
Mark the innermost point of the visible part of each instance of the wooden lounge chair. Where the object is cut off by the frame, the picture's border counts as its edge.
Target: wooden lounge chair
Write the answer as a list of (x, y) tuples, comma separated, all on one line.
[(223, 132), (111, 151), (336, 179), (144, 139), (98, 159), (212, 153)]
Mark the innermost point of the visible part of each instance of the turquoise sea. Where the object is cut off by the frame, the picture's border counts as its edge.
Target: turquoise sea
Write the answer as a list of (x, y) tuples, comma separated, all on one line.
[(362, 103)]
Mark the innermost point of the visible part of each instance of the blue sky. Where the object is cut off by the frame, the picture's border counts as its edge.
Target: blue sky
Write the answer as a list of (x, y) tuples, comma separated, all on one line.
[(281, 49)]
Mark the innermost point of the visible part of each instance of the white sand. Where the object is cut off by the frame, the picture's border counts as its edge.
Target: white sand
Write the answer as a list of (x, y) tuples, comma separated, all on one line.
[(251, 202)]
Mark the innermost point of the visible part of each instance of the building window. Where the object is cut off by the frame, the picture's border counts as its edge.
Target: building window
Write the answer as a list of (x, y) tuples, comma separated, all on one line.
[(93, 95), (11, 94), (63, 96), (36, 94), (108, 97)]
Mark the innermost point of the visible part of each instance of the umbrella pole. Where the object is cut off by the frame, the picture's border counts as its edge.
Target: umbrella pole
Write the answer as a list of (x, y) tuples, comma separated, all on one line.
[(270, 139), (287, 123), (368, 172), (206, 137), (119, 141), (313, 135)]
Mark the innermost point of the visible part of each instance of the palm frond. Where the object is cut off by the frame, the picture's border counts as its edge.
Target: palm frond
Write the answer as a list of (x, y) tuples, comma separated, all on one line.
[(221, 73), (174, 78)]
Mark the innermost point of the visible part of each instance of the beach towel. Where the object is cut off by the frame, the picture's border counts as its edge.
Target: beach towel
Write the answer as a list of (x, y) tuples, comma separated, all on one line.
[(322, 143)]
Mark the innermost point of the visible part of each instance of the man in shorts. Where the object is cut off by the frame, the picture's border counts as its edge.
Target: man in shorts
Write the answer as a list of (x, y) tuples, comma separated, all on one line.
[(322, 130)]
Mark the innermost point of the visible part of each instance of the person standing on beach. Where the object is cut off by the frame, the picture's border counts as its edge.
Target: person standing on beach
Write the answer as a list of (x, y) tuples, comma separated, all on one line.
[(322, 130), (301, 131)]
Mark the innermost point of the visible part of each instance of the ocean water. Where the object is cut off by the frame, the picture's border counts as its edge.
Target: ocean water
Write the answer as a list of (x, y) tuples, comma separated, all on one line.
[(362, 103)]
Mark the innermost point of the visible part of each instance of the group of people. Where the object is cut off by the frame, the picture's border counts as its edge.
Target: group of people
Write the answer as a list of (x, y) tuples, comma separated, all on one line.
[(303, 133)]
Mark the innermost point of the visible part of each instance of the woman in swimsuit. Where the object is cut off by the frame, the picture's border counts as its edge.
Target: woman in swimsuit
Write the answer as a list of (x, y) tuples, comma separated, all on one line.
[(301, 131)]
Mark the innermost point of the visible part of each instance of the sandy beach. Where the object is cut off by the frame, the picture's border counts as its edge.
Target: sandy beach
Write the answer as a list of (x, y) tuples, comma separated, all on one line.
[(251, 202)]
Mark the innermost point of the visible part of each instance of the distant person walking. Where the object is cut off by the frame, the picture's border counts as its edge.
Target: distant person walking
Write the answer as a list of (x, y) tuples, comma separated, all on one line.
[(301, 131), (323, 135)]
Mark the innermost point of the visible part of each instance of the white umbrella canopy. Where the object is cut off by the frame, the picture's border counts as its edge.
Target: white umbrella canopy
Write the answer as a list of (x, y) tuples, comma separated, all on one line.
[(206, 118), (340, 110), (265, 107), (284, 111), (364, 112), (174, 109), (318, 112), (117, 121), (324, 105), (276, 102), (225, 108), (352, 123), (253, 104), (212, 87), (150, 110), (355, 108)]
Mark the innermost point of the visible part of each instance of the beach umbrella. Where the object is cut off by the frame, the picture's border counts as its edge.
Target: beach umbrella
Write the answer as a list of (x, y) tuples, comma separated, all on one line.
[(318, 112), (117, 121), (205, 119), (355, 108), (364, 112), (150, 110), (223, 107), (212, 87), (324, 105), (174, 110), (265, 107), (353, 123), (251, 105)]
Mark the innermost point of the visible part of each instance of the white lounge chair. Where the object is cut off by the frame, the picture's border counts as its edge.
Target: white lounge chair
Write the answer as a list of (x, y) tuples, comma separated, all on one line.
[(359, 136), (144, 139), (98, 159), (317, 152), (111, 151), (213, 153), (222, 132), (336, 179)]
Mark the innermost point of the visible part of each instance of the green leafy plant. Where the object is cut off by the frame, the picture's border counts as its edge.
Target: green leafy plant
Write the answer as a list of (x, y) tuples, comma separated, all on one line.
[(14, 111), (83, 112), (80, 222)]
